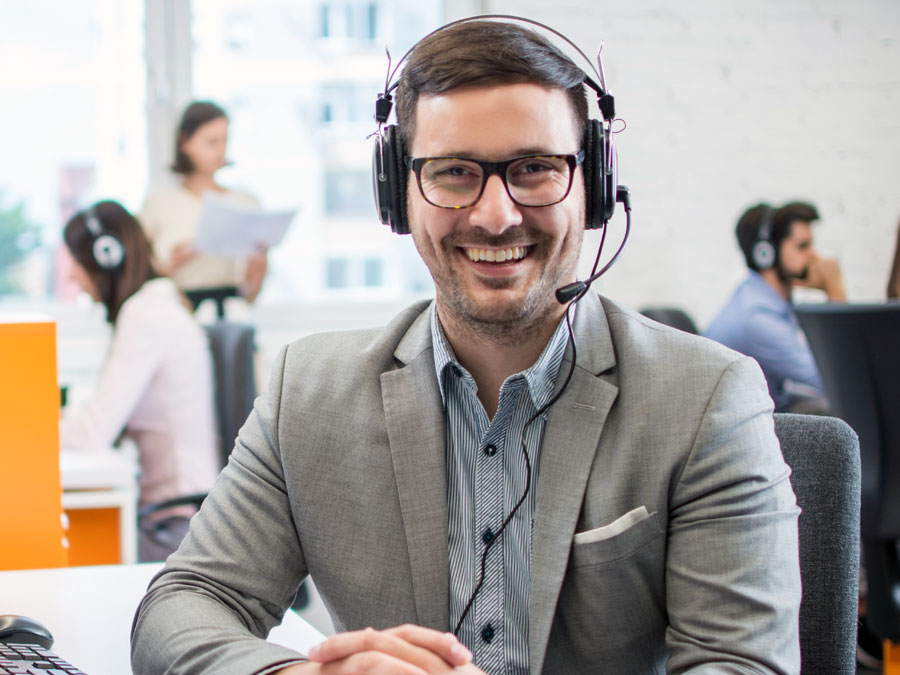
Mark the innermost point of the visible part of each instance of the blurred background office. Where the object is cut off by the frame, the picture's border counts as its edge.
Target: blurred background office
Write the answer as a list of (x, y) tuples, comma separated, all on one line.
[(725, 105)]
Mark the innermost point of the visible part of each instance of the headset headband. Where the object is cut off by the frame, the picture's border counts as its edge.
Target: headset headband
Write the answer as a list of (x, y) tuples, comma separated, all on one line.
[(605, 100)]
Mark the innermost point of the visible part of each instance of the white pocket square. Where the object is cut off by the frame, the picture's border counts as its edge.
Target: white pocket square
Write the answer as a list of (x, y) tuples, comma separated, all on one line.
[(617, 526)]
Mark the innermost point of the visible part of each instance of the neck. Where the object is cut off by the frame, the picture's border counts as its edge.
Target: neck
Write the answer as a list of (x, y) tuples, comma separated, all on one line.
[(491, 358), (782, 286), (198, 183)]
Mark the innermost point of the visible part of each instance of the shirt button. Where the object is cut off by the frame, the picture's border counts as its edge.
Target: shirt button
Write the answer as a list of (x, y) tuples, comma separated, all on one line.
[(487, 633), (487, 537), (456, 371), (490, 450)]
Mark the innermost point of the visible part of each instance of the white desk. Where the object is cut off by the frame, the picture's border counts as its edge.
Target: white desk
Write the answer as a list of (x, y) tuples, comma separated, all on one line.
[(103, 479), (89, 611)]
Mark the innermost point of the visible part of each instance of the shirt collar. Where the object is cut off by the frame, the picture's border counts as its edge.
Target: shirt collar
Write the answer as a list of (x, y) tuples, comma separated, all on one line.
[(541, 376), (765, 295)]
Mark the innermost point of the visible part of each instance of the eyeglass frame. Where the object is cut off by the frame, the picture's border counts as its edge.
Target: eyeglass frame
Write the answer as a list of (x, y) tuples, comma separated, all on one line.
[(494, 168)]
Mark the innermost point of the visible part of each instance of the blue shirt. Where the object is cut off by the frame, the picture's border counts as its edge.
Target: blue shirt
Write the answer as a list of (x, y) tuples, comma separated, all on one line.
[(485, 478), (760, 323)]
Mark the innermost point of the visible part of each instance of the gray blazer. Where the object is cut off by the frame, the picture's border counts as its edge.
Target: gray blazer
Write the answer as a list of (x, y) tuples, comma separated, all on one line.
[(665, 531)]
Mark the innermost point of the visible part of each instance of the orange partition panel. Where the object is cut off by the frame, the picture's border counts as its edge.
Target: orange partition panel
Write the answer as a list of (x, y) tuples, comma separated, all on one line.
[(94, 536), (31, 533)]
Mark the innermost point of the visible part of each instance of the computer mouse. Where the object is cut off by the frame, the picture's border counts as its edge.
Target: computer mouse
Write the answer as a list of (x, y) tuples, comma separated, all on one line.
[(14, 628)]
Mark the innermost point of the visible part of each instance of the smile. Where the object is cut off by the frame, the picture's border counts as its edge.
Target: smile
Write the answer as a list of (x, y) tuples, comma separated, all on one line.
[(513, 253)]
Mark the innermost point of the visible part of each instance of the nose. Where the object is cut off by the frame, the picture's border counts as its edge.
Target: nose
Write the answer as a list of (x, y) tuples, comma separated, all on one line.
[(495, 211)]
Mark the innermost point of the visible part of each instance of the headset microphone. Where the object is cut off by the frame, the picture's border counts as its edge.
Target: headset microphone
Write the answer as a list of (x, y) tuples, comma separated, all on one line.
[(575, 290)]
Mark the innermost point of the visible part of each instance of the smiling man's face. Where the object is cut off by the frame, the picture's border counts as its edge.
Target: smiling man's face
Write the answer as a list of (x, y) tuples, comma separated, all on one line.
[(496, 264)]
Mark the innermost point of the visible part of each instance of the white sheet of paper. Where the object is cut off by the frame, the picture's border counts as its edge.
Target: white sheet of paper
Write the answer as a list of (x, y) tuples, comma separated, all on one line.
[(232, 230)]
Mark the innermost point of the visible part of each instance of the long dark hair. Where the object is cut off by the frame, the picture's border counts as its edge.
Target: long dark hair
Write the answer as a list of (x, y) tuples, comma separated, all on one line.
[(194, 116), (115, 286)]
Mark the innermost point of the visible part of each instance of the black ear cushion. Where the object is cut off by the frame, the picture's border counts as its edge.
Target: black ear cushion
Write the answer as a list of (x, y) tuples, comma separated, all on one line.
[(397, 182)]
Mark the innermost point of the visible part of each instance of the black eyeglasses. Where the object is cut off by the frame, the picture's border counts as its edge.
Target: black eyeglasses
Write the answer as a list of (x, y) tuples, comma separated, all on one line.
[(458, 182)]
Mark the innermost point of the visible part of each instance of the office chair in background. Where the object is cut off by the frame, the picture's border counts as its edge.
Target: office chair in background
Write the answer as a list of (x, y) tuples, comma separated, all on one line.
[(857, 349), (823, 454), (234, 387), (672, 316)]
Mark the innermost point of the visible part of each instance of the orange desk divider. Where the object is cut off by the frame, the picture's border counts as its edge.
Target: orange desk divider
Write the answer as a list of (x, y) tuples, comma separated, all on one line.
[(891, 656), (31, 531)]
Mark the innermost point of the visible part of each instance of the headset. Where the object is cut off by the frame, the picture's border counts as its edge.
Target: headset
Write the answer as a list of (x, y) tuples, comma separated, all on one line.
[(107, 250), (763, 252), (390, 175)]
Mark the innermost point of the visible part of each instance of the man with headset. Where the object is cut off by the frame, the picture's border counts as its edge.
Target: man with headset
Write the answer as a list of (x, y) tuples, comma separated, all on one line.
[(758, 319), (568, 489)]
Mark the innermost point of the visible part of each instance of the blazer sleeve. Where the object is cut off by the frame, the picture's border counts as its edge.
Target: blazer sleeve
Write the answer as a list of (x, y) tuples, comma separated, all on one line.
[(211, 607), (732, 570)]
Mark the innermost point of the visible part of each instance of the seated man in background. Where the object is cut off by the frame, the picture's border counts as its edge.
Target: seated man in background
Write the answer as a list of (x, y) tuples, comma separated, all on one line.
[(621, 507), (759, 321)]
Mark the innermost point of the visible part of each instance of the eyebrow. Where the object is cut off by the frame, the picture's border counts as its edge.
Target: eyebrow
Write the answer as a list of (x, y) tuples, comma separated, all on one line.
[(518, 152)]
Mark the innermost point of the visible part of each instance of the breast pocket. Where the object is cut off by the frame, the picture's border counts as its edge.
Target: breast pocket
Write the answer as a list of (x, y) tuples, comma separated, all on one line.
[(588, 550)]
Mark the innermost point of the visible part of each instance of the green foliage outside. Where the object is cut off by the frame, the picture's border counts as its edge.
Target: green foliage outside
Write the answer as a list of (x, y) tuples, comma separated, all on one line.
[(18, 236)]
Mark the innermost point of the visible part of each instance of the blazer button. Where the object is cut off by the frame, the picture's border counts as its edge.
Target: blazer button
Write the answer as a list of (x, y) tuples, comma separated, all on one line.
[(487, 633), (490, 450), (487, 537)]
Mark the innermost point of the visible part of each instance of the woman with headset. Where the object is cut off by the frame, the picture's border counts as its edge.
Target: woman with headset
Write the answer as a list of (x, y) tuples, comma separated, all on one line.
[(171, 215), (156, 386)]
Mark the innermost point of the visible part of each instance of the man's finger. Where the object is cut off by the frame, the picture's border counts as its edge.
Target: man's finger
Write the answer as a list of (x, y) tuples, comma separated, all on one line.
[(345, 645), (445, 645)]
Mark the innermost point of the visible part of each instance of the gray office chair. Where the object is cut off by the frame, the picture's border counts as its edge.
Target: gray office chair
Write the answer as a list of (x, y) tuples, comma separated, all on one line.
[(823, 453), (233, 351), (672, 316)]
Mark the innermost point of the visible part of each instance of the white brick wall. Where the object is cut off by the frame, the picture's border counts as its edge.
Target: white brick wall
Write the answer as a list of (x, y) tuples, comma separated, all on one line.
[(732, 102)]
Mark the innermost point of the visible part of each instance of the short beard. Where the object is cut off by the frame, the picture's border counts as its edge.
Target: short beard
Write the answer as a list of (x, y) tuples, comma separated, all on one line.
[(513, 324)]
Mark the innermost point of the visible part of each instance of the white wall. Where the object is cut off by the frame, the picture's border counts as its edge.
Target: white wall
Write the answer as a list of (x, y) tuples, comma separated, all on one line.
[(731, 103)]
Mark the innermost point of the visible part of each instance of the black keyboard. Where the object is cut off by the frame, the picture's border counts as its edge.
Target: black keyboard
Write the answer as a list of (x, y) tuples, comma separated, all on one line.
[(22, 659)]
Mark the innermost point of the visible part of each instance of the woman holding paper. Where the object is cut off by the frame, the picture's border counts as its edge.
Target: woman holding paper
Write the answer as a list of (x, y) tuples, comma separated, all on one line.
[(156, 386), (170, 216)]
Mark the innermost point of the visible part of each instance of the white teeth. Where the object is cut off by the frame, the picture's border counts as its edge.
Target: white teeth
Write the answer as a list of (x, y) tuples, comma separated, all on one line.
[(492, 255)]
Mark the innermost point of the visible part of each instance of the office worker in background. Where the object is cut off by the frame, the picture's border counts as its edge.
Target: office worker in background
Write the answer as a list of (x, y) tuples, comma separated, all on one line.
[(650, 523), (759, 321), (171, 215), (156, 383)]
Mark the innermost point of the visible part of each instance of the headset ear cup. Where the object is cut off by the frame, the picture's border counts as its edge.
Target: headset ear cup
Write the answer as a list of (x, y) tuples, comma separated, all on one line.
[(108, 251), (379, 182), (388, 180), (763, 255), (596, 181)]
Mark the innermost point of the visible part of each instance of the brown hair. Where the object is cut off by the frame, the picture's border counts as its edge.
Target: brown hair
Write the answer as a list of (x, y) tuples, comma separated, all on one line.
[(783, 218), (480, 54), (194, 116), (115, 286)]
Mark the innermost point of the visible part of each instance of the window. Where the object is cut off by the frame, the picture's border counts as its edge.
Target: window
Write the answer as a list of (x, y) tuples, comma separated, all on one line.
[(74, 129), (337, 273), (372, 276), (357, 21), (349, 192)]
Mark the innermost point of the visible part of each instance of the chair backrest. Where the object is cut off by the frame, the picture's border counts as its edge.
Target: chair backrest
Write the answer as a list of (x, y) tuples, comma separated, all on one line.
[(823, 454), (857, 349), (233, 353), (671, 316)]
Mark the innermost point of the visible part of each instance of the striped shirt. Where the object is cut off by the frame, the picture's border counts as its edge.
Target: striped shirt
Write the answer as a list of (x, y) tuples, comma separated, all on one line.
[(485, 478)]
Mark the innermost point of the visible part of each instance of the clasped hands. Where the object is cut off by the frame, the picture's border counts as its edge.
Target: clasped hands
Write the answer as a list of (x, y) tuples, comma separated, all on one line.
[(404, 650)]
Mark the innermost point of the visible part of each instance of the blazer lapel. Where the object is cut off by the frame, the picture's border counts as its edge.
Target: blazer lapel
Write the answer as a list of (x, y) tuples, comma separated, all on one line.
[(571, 440), (415, 425)]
